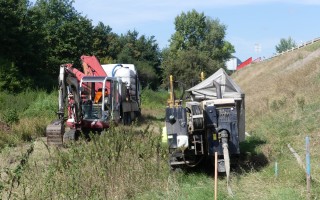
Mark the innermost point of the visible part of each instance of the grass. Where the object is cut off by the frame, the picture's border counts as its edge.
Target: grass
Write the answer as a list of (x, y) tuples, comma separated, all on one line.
[(24, 116), (154, 100), (282, 107), (120, 164)]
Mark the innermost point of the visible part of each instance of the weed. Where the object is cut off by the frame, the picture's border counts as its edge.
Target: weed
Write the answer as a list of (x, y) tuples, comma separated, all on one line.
[(278, 104), (301, 102), (11, 116)]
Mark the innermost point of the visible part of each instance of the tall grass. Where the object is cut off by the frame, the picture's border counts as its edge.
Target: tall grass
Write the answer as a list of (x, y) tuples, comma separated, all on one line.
[(120, 164), (154, 99), (24, 116), (282, 106)]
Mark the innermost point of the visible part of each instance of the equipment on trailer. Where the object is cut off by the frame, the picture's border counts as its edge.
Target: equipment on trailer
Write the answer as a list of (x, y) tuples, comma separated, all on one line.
[(128, 75), (213, 121), (93, 101)]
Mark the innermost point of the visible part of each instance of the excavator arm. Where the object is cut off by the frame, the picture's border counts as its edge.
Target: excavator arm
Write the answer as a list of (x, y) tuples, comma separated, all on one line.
[(68, 89)]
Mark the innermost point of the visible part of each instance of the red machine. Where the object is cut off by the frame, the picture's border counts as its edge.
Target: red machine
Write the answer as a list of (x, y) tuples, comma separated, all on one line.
[(92, 98)]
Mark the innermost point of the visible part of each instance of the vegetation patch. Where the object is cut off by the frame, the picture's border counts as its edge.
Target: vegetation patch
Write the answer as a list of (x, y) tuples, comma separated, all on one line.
[(119, 164)]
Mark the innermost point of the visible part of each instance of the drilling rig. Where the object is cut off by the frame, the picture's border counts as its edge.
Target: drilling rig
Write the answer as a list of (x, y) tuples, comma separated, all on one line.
[(212, 121)]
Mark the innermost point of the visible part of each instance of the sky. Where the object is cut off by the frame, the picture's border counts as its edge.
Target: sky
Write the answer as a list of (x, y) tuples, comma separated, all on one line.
[(254, 27)]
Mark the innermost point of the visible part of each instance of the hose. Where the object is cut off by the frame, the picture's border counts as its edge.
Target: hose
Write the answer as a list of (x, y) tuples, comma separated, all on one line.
[(227, 165), (114, 68), (192, 165)]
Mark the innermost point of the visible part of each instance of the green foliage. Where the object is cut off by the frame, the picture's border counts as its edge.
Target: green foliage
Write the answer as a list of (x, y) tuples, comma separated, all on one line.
[(29, 111), (285, 44), (197, 45), (151, 99), (144, 53), (120, 164), (44, 105), (15, 42), (39, 38), (64, 30), (13, 36), (11, 116), (190, 30), (10, 78), (100, 41)]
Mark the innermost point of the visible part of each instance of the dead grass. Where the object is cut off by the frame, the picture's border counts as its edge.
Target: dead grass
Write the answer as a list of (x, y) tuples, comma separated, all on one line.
[(282, 106)]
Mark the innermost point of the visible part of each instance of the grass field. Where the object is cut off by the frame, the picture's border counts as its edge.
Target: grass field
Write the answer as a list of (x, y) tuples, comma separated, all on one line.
[(282, 107)]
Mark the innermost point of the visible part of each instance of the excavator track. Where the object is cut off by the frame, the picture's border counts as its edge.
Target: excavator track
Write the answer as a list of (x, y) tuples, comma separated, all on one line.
[(54, 132)]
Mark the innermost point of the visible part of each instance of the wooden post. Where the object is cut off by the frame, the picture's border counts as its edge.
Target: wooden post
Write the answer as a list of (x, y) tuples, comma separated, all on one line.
[(202, 76), (171, 100), (308, 167), (215, 175)]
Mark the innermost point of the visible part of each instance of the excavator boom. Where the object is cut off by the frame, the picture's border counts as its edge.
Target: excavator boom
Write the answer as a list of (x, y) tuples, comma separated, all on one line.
[(92, 67)]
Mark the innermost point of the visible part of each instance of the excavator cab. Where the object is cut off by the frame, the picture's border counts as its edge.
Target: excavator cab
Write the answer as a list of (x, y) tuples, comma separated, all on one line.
[(96, 98)]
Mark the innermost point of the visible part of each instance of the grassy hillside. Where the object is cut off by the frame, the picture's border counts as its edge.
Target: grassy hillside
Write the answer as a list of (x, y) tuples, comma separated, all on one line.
[(282, 107)]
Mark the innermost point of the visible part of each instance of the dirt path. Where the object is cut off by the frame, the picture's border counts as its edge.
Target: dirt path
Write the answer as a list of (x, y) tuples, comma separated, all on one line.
[(13, 161)]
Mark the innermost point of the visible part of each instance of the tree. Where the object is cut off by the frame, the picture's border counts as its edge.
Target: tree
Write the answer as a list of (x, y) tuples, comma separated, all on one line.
[(65, 34), (101, 42), (197, 45), (16, 44), (36, 39), (12, 14), (144, 53), (285, 44)]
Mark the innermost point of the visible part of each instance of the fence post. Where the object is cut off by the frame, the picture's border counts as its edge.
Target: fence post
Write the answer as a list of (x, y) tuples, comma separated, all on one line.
[(215, 175), (308, 167)]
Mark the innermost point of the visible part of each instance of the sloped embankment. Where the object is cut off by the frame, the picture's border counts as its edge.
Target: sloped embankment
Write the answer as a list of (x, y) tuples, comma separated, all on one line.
[(282, 107)]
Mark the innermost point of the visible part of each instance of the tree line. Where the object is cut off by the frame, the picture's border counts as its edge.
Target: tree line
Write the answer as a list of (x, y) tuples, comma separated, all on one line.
[(36, 39)]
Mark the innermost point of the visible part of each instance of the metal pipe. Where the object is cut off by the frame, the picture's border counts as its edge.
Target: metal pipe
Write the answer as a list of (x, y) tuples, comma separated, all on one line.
[(308, 168)]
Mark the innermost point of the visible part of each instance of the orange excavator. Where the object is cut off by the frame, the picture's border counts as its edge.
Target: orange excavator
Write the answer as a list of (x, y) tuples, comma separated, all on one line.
[(93, 101)]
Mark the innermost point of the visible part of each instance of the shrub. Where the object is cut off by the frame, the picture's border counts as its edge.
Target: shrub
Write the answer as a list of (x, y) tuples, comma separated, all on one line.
[(154, 99), (11, 116)]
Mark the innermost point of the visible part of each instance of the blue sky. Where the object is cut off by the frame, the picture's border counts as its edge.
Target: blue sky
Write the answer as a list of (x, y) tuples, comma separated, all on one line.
[(249, 23)]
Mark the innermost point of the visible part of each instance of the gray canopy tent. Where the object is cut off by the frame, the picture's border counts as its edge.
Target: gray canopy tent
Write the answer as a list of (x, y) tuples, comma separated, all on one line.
[(206, 90)]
